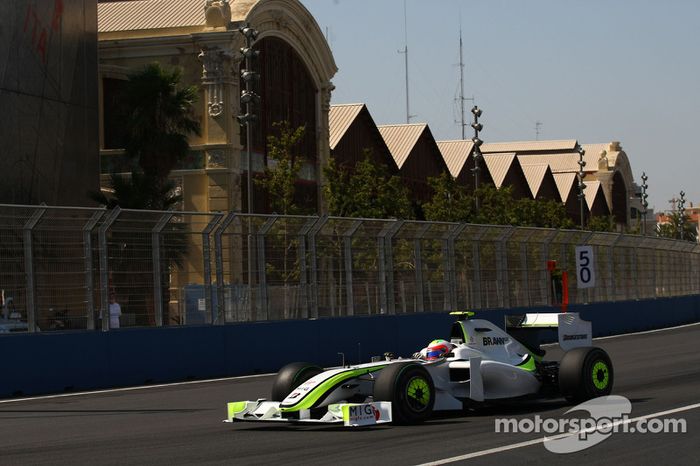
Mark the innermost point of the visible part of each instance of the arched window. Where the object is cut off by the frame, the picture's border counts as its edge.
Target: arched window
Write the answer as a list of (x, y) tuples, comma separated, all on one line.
[(288, 94)]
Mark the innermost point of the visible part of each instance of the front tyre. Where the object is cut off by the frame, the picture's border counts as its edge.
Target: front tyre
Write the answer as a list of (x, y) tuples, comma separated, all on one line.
[(290, 377), (410, 390), (585, 373)]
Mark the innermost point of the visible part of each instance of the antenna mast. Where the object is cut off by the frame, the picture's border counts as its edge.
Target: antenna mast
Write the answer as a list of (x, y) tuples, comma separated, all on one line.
[(405, 53), (463, 122)]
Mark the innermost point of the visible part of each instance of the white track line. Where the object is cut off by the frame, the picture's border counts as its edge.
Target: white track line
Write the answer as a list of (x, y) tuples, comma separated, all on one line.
[(129, 389), (175, 384), (528, 443)]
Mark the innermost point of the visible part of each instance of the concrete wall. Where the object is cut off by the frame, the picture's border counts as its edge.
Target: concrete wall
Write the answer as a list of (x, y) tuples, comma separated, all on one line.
[(48, 96), (54, 362)]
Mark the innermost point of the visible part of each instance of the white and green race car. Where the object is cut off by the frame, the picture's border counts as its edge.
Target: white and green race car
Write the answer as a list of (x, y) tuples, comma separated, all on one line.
[(485, 363)]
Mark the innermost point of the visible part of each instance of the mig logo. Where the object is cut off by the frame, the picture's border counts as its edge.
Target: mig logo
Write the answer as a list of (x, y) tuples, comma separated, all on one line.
[(363, 414)]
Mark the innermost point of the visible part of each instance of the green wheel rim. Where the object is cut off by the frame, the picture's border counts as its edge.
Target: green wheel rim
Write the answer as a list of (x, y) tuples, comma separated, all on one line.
[(600, 375), (418, 393)]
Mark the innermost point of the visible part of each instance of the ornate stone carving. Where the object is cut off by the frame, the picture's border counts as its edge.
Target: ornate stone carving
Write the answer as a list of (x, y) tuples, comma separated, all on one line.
[(217, 13), (216, 71), (326, 90), (603, 161)]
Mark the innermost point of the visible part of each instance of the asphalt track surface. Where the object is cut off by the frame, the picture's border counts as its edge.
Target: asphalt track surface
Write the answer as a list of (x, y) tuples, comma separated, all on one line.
[(181, 424)]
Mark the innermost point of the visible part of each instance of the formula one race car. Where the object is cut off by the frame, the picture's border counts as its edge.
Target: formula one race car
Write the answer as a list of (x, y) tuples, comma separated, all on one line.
[(481, 363)]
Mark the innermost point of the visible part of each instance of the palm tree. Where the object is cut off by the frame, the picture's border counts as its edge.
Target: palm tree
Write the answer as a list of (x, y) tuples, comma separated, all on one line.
[(160, 120)]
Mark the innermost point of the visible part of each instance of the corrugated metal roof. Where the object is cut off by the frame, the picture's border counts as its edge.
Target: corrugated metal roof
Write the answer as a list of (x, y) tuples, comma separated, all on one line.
[(340, 117), (591, 191), (529, 146), (149, 14), (498, 165), (455, 154), (559, 163), (400, 139), (565, 182), (534, 174)]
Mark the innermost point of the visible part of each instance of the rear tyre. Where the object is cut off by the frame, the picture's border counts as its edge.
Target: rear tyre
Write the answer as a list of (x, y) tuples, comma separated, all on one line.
[(585, 373), (410, 390), (290, 377)]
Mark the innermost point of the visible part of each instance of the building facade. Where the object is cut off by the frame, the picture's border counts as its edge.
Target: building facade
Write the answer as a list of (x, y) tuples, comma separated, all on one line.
[(202, 37)]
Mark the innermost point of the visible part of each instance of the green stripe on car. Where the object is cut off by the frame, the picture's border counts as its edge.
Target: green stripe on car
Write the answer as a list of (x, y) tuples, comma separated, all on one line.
[(314, 395)]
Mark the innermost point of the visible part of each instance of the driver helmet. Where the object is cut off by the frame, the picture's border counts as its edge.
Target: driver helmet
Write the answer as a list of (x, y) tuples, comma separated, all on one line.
[(438, 349)]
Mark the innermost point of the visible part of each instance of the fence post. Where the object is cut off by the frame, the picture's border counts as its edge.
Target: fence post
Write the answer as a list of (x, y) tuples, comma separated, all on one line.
[(449, 261), (347, 245), (418, 252), (303, 273), (206, 258), (155, 253), (218, 316), (32, 318), (263, 306), (611, 269), (89, 269), (314, 264), (502, 270), (476, 257), (388, 259), (104, 265), (524, 266), (545, 274)]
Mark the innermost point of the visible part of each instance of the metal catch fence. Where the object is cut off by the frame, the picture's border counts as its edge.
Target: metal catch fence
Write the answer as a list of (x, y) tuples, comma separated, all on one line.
[(62, 267)]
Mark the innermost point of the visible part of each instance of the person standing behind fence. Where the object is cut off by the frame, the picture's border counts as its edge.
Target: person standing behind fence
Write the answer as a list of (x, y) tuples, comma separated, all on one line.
[(115, 311)]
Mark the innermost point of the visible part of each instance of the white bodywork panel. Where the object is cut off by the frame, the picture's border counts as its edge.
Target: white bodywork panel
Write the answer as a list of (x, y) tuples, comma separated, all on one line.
[(350, 414), (574, 332)]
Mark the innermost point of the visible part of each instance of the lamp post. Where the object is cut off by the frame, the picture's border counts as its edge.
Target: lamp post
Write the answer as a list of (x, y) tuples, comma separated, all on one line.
[(681, 215), (581, 184), (476, 111), (248, 99), (645, 203)]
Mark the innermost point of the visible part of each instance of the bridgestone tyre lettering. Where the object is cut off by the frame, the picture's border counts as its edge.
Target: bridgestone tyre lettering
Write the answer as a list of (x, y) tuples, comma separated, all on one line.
[(410, 389), (290, 377), (585, 373)]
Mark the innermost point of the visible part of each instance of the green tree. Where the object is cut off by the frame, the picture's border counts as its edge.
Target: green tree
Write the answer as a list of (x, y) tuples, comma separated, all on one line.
[(368, 191), (450, 202), (672, 228), (601, 223), (280, 178), (496, 206)]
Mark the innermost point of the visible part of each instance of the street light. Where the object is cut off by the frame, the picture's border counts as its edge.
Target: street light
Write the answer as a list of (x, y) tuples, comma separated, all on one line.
[(248, 99), (681, 214), (581, 184), (476, 111), (645, 203)]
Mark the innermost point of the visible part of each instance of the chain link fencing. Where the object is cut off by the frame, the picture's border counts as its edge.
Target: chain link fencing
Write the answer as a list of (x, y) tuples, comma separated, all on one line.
[(62, 268)]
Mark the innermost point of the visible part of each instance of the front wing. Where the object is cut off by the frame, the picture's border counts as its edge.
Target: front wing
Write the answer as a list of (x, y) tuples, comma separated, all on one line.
[(349, 414)]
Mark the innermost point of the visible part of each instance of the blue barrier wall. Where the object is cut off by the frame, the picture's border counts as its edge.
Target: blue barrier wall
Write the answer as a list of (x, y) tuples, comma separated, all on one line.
[(56, 362)]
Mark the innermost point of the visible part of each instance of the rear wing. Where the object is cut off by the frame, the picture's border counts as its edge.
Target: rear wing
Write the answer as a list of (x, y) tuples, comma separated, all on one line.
[(573, 332)]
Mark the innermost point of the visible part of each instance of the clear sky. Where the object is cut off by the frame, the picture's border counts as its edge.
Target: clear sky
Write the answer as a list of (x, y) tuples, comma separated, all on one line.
[(595, 71)]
